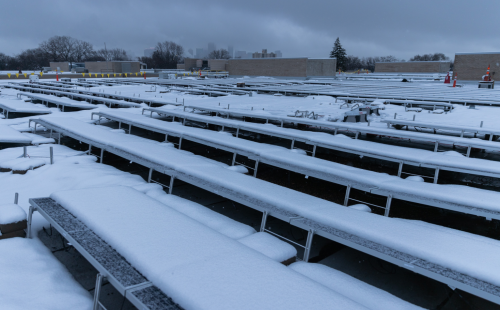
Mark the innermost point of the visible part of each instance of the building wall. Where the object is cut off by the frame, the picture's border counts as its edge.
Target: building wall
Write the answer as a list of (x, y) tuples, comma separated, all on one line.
[(217, 64), (293, 67), (181, 66), (321, 67), (189, 63), (63, 65), (472, 67), (111, 66), (413, 66)]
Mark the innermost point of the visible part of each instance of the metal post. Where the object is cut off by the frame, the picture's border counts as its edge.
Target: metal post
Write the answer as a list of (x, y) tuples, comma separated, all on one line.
[(234, 159), (357, 133), (314, 150), (347, 192), (180, 142), (413, 117), (293, 143), (129, 128), (59, 139), (395, 115), (481, 124), (307, 250), (30, 218), (51, 155), (16, 198), (171, 187), (102, 154), (97, 291), (400, 169), (24, 151), (436, 175), (150, 174), (255, 169), (468, 150), (119, 125), (388, 205), (264, 220), (237, 132), (436, 145)]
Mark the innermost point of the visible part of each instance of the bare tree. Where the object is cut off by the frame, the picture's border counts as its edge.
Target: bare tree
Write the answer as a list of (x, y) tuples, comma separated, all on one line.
[(167, 55), (430, 57), (82, 51), (59, 48), (117, 54), (219, 54), (31, 59)]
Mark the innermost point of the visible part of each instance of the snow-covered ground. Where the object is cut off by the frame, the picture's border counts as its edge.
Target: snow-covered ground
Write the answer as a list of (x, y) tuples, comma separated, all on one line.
[(29, 262)]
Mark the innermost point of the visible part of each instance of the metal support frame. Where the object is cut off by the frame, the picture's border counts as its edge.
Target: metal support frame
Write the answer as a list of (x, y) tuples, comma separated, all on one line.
[(400, 169), (180, 142), (102, 155), (310, 235), (234, 159), (30, 220), (255, 169), (263, 222), (51, 155), (97, 291), (436, 175), (171, 183), (307, 249), (347, 193), (388, 205)]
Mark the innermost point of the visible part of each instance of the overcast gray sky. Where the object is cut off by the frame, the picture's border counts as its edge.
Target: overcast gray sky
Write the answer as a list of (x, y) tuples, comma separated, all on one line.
[(298, 28)]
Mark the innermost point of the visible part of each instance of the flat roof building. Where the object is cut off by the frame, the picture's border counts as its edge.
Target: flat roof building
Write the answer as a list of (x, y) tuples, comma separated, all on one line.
[(413, 67), (113, 66), (472, 66), (282, 67)]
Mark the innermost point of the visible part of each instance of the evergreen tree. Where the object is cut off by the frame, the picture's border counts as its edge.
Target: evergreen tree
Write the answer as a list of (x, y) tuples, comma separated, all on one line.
[(339, 53)]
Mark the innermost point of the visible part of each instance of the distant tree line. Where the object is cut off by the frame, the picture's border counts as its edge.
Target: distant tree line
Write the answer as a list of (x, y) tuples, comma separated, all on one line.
[(352, 63), (59, 48), (166, 56), (219, 54)]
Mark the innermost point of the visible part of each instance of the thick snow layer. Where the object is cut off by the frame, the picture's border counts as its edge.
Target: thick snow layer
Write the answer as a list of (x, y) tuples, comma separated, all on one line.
[(23, 163), (11, 213), (37, 139), (367, 148), (331, 171), (207, 217), (63, 101), (9, 135), (367, 295), (32, 278), (361, 207), (195, 265), (270, 246), (424, 244), (35, 156), (415, 178), (22, 107), (238, 168)]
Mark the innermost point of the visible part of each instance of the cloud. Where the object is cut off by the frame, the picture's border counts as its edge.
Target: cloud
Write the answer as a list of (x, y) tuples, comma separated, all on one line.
[(297, 28)]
